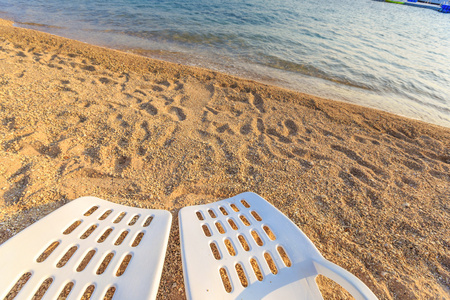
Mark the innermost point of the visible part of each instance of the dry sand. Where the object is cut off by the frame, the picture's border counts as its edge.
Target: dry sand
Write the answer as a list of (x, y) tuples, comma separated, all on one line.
[(370, 189)]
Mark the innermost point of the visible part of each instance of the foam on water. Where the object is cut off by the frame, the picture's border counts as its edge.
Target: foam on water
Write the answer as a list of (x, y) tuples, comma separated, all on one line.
[(370, 53)]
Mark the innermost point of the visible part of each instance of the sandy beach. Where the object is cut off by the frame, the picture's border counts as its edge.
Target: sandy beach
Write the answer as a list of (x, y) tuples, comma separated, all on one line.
[(370, 189)]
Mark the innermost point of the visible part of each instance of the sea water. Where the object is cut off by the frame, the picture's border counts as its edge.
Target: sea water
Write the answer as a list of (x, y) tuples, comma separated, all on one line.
[(381, 55)]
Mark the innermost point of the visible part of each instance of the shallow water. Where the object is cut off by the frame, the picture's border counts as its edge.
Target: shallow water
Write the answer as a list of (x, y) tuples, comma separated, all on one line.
[(376, 54)]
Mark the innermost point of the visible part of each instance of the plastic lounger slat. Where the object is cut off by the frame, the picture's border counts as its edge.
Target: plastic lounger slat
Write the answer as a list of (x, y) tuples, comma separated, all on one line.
[(267, 272), (19, 254)]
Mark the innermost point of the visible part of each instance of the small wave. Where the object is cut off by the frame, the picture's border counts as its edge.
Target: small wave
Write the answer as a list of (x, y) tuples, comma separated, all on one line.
[(185, 37), (39, 25), (306, 69)]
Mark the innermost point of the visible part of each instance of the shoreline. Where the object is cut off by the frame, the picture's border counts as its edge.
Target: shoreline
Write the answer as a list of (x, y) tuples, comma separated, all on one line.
[(369, 188), (336, 90), (156, 62)]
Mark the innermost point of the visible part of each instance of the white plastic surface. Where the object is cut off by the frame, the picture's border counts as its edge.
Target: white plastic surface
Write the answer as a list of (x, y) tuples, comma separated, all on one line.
[(292, 280), (140, 280)]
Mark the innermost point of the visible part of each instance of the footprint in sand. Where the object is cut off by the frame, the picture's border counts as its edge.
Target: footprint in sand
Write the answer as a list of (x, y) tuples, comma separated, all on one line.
[(291, 126), (88, 68), (329, 133), (415, 166), (178, 112), (21, 54), (123, 143), (157, 88), (374, 198), (20, 180), (360, 139), (258, 102), (223, 146), (354, 156), (164, 83), (272, 131), (260, 125), (94, 154), (54, 66), (140, 92), (149, 108), (141, 151), (224, 128), (364, 178), (9, 122), (122, 162), (105, 80), (440, 175), (147, 133), (214, 112), (246, 129), (410, 182), (360, 174), (178, 86)]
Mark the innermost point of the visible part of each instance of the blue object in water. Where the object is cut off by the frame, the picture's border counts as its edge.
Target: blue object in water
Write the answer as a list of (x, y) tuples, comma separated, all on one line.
[(412, 0), (445, 8)]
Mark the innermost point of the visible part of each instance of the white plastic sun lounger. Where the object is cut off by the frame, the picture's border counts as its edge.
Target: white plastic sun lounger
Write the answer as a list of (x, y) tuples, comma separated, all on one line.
[(88, 248), (244, 248)]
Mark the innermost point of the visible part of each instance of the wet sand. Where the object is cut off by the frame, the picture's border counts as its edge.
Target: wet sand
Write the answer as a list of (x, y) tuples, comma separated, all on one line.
[(370, 189)]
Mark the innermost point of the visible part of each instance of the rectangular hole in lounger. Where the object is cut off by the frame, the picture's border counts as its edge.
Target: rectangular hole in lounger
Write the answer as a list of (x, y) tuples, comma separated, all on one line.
[(200, 216), (219, 227), (241, 274), (18, 286), (269, 233), (225, 280), (257, 238), (66, 257), (101, 269), (245, 203), (104, 235), (215, 250), (43, 288), (88, 232), (212, 213), (105, 215), (88, 292), (47, 252), (65, 291), (148, 221), (230, 247), (90, 211), (271, 263), (233, 224), (123, 265), (223, 211), (72, 227), (243, 242), (234, 207), (256, 269), (120, 217), (256, 216), (138, 239), (121, 237), (134, 220), (87, 258), (110, 293), (287, 262), (244, 220), (206, 230)]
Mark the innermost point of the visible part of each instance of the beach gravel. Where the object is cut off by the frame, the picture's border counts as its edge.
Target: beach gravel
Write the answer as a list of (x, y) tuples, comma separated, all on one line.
[(370, 189)]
